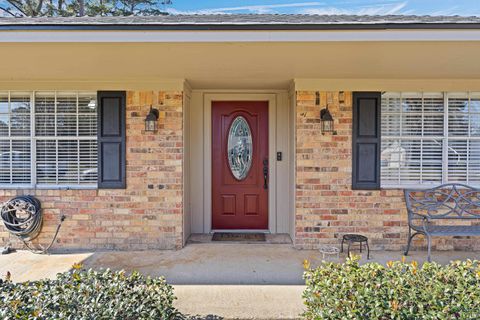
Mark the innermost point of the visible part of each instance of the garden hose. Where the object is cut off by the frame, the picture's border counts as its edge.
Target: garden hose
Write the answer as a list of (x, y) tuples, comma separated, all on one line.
[(22, 216)]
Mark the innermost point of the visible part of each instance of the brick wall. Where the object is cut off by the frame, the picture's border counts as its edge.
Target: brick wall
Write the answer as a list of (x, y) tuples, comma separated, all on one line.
[(146, 215), (326, 207)]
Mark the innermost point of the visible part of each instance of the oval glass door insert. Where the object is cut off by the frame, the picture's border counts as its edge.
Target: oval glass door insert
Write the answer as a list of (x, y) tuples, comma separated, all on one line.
[(240, 148)]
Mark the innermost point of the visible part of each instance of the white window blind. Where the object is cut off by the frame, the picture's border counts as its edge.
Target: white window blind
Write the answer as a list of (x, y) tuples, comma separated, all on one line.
[(15, 141), (60, 150), (430, 138), (464, 137)]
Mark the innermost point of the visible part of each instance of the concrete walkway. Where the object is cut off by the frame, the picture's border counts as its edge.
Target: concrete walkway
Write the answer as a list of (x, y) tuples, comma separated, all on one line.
[(240, 302), (27, 266), (223, 280), (219, 263)]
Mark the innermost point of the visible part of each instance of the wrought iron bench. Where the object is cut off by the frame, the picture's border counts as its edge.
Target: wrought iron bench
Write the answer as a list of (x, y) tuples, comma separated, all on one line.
[(428, 209)]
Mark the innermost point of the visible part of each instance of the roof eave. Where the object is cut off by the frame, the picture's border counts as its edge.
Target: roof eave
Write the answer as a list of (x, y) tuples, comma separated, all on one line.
[(240, 27)]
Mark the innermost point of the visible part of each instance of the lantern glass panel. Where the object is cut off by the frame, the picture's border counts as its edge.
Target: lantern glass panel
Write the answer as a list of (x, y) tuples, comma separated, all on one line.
[(150, 125), (327, 125)]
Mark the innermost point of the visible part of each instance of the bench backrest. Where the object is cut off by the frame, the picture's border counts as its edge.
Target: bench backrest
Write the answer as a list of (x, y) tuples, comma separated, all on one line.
[(448, 201)]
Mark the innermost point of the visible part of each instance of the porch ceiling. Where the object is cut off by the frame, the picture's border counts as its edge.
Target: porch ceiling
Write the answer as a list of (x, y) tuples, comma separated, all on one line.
[(234, 65)]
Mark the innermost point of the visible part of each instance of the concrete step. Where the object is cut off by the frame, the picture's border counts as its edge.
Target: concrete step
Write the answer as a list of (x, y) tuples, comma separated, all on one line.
[(240, 301), (279, 238)]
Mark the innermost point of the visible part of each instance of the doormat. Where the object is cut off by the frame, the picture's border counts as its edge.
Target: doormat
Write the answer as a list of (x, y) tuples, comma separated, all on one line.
[(225, 236)]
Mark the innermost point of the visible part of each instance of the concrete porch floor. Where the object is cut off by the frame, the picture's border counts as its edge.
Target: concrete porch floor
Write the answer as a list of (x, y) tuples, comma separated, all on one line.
[(228, 280)]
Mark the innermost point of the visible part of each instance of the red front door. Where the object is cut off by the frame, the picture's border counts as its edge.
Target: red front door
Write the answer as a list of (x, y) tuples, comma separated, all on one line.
[(240, 165)]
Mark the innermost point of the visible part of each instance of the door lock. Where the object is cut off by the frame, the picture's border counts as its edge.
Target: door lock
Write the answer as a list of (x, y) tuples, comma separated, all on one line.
[(265, 174)]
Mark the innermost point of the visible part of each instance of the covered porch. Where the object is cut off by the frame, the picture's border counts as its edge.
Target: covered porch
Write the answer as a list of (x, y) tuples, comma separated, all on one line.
[(168, 194), (206, 263)]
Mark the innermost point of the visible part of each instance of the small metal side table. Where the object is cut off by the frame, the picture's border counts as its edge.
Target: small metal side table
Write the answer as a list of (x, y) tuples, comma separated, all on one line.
[(351, 238)]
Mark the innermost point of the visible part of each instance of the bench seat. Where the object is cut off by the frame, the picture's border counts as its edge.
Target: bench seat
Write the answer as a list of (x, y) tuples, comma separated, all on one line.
[(450, 230)]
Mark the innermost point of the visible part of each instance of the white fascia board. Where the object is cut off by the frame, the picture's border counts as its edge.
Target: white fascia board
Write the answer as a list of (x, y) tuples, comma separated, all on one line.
[(238, 36)]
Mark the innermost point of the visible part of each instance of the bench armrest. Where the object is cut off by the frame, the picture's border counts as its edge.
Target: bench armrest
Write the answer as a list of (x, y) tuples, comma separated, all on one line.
[(417, 216)]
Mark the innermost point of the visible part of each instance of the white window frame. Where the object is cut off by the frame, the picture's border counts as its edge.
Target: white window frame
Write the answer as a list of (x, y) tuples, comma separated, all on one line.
[(33, 145), (445, 146)]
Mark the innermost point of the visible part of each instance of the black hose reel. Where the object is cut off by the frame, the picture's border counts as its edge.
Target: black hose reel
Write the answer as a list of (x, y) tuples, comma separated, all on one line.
[(23, 217)]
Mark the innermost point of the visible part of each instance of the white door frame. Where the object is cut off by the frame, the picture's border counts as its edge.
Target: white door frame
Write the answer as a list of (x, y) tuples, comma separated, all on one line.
[(208, 98)]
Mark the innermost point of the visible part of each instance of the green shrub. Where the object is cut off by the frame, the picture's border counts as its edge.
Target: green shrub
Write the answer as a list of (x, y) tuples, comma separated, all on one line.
[(89, 295), (396, 291)]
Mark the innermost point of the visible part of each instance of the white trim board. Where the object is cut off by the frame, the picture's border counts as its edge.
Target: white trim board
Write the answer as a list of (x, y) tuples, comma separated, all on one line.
[(93, 85), (187, 212), (365, 84), (238, 36)]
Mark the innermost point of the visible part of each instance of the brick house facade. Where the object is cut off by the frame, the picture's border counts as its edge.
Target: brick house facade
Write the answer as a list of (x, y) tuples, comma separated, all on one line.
[(148, 214), (326, 205), (182, 65)]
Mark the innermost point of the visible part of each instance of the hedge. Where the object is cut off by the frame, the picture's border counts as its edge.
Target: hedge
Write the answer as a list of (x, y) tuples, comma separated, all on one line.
[(81, 294), (398, 290)]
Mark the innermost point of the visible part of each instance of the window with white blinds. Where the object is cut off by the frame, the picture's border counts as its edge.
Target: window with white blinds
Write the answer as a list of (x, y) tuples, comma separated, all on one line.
[(429, 138), (15, 138), (48, 139)]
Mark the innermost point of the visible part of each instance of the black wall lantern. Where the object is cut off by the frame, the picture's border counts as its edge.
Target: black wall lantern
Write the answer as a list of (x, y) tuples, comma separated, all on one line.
[(151, 120), (326, 120)]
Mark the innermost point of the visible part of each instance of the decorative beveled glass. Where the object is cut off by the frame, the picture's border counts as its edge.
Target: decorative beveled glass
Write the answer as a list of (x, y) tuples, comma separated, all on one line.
[(240, 148)]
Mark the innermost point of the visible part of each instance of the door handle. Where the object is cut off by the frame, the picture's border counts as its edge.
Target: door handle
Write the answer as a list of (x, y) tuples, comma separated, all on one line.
[(265, 174)]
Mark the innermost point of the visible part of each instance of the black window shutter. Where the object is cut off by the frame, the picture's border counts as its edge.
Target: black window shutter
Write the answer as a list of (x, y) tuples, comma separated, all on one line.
[(366, 140), (111, 139)]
